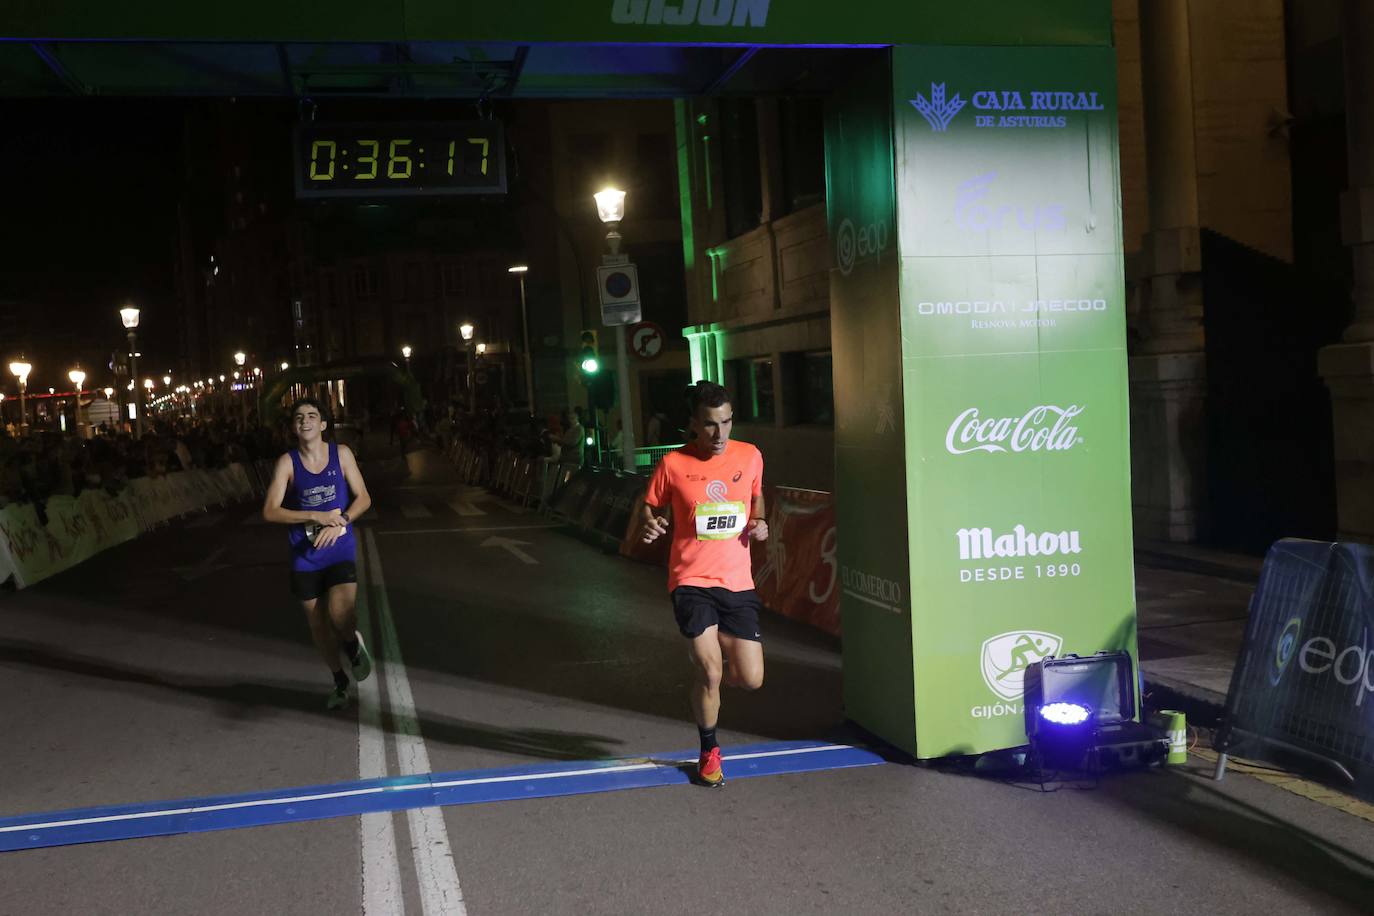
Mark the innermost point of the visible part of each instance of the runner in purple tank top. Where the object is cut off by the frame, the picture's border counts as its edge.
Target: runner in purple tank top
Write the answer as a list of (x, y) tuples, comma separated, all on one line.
[(318, 490)]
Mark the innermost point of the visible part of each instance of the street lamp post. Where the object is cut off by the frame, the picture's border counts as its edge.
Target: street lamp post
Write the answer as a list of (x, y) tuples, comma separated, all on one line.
[(467, 330), (239, 359), (21, 371), (520, 270), (129, 315), (610, 206), (78, 378), (405, 352)]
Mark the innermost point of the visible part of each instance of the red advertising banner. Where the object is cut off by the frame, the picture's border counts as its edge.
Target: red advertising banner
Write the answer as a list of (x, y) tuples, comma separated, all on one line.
[(796, 571)]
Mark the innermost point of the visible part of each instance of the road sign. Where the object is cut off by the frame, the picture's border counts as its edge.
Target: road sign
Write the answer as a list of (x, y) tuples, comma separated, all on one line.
[(646, 340), (618, 285)]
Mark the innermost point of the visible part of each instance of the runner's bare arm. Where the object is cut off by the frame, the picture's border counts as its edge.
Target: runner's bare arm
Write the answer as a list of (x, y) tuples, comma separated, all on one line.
[(758, 520), (655, 526), (272, 510), (362, 500)]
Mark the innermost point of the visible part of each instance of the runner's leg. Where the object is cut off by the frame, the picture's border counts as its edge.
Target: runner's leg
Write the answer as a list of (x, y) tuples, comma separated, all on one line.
[(343, 610), (322, 631), (746, 662), (705, 692)]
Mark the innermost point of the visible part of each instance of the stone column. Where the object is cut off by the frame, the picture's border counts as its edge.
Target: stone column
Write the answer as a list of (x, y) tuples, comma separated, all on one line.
[(1348, 368), (1168, 368)]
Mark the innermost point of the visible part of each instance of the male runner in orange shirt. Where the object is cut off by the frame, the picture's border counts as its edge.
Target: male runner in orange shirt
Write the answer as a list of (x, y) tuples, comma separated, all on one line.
[(712, 490)]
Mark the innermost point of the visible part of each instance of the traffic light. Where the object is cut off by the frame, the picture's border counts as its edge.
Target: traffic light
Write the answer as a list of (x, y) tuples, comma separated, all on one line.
[(589, 359)]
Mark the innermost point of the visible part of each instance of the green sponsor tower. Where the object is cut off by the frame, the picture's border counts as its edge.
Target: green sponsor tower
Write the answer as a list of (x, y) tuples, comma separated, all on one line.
[(980, 376)]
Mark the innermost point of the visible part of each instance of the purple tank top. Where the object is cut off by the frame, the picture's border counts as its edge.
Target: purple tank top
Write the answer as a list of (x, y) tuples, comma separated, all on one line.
[(318, 493)]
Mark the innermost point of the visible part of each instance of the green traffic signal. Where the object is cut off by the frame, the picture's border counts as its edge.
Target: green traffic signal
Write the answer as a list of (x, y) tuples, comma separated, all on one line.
[(588, 360)]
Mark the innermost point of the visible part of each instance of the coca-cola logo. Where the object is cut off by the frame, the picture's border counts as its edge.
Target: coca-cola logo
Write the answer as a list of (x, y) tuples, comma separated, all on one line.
[(1046, 428)]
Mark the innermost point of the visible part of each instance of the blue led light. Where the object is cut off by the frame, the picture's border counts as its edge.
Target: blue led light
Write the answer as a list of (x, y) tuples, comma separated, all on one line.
[(1065, 713)]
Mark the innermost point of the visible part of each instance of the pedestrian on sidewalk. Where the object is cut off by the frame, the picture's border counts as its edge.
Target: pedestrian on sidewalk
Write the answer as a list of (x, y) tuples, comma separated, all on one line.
[(709, 493), (318, 490)]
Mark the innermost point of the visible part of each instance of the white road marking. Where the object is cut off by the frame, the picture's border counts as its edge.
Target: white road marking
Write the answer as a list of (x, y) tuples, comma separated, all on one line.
[(381, 868), (513, 546), (411, 509), (464, 507), (203, 568), (440, 891)]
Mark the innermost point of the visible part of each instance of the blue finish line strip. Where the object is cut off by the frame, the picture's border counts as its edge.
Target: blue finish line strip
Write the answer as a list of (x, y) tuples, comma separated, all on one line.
[(228, 812)]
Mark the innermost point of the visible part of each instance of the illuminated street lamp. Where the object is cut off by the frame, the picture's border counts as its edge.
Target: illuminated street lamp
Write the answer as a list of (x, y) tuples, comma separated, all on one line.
[(285, 366), (520, 270), (610, 207), (78, 379), (481, 349), (129, 317), (467, 330), (240, 358), (405, 352), (166, 380), (21, 370)]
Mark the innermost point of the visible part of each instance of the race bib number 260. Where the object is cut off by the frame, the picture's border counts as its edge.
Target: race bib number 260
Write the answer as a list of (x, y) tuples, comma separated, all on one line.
[(720, 521)]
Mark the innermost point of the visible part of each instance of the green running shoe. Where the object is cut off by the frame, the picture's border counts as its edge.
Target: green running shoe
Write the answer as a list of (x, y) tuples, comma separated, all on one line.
[(362, 662), (338, 698)]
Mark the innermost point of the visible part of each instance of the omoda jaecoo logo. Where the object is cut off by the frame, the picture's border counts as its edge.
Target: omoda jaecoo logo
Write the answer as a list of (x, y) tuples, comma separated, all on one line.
[(1005, 659)]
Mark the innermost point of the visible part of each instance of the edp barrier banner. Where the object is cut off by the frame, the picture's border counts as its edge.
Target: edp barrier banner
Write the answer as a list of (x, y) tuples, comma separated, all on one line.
[(1302, 691)]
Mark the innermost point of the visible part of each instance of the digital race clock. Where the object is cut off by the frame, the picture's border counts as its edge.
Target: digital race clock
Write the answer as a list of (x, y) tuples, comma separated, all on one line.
[(390, 159)]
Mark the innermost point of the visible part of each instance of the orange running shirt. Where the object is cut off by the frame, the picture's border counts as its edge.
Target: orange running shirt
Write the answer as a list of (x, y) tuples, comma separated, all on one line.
[(711, 500)]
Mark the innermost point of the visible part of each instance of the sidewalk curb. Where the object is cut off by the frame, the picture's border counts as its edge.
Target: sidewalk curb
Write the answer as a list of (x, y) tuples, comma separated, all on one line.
[(1202, 706)]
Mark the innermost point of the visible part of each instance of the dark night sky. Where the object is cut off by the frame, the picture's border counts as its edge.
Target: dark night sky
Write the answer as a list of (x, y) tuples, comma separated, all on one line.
[(91, 189)]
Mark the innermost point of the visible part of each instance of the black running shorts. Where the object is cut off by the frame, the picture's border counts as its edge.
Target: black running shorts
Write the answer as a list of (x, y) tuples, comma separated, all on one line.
[(736, 613), (310, 584)]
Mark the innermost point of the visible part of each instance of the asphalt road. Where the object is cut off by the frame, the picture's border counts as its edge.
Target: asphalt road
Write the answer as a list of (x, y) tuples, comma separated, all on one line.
[(178, 666)]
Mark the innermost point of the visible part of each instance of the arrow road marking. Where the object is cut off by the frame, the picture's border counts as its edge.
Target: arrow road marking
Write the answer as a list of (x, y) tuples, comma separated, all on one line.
[(192, 573), (513, 546)]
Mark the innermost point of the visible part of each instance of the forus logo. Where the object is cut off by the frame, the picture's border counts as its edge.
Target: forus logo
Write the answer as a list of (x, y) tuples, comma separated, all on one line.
[(1006, 657), (1285, 647)]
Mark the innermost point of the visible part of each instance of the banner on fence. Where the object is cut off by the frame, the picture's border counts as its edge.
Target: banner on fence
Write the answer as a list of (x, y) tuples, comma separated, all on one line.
[(795, 571), (1302, 691), (79, 527)]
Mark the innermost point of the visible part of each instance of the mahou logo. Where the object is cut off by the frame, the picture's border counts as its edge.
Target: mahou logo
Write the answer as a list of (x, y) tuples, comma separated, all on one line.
[(1047, 428)]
